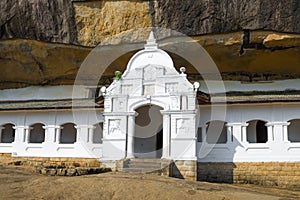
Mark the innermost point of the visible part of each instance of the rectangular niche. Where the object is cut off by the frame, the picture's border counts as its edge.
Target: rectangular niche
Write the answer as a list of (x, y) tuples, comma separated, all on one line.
[(114, 127), (149, 89), (171, 87), (126, 89), (183, 126), (119, 104)]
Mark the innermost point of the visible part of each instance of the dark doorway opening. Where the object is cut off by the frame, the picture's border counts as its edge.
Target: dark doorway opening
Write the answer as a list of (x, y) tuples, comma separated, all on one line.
[(148, 137)]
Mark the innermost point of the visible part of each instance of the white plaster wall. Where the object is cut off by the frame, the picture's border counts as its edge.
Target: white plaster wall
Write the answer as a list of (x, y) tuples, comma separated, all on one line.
[(44, 92), (278, 148), (51, 147), (236, 150), (66, 91), (279, 85)]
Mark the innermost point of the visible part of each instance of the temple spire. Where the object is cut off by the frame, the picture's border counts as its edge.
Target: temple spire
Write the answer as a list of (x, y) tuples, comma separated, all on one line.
[(151, 42)]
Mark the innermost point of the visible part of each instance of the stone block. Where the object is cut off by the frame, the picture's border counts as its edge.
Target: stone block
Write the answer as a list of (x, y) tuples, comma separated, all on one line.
[(190, 163), (179, 162), (76, 164), (38, 169), (51, 172), (71, 172), (189, 174), (61, 172), (82, 171)]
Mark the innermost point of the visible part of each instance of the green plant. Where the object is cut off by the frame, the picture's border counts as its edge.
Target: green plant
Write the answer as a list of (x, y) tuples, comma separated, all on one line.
[(118, 75)]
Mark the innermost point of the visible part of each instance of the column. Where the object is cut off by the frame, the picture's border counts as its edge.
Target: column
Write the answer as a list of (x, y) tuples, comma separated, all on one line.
[(244, 132), (50, 133), (21, 140), (270, 132), (203, 129), (91, 133), (27, 134), (278, 131), (130, 136), (57, 134), (84, 134), (1, 129), (19, 134), (166, 136), (234, 132), (285, 132), (78, 133), (229, 133)]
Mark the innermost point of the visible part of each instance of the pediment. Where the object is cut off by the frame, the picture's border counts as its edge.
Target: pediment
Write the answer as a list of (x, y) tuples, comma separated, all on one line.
[(153, 77)]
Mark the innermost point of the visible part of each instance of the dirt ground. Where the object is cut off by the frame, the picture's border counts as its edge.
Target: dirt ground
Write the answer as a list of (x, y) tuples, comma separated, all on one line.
[(19, 182)]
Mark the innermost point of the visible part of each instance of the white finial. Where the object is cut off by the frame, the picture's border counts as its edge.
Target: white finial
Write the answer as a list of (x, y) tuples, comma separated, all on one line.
[(182, 70), (151, 42), (151, 36), (196, 85)]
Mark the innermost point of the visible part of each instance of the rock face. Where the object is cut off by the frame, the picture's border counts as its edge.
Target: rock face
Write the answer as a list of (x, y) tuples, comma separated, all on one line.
[(248, 40), (44, 20), (29, 62), (218, 16), (89, 22), (96, 21), (265, 56)]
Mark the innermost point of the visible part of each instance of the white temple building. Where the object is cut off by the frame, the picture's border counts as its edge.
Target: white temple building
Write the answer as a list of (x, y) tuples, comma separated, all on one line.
[(153, 111)]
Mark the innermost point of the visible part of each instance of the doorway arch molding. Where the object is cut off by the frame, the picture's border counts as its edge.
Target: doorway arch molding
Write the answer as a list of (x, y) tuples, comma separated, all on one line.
[(153, 101)]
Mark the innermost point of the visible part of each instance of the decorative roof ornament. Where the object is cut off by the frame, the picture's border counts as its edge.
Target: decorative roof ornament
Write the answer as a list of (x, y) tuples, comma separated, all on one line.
[(151, 42)]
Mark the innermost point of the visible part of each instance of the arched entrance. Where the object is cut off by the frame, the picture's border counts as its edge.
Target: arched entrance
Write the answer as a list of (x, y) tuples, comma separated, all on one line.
[(148, 134)]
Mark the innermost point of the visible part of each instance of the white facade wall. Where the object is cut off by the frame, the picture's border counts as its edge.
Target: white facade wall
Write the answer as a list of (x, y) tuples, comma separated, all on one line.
[(278, 118), (238, 149), (53, 122)]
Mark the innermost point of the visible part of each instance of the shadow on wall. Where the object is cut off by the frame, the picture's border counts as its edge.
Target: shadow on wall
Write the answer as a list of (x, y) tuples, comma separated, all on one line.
[(218, 140), (216, 172), (226, 171), (214, 146), (175, 171)]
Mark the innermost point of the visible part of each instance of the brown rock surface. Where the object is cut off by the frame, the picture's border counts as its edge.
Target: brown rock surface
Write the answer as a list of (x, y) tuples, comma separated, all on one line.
[(265, 56), (217, 25), (98, 20), (29, 62), (44, 20), (20, 183), (203, 17), (89, 22)]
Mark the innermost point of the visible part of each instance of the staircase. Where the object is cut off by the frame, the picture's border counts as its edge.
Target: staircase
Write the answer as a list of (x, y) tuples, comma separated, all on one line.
[(146, 166)]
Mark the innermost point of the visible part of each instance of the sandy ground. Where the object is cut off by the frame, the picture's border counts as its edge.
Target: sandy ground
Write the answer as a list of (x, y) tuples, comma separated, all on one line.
[(18, 182)]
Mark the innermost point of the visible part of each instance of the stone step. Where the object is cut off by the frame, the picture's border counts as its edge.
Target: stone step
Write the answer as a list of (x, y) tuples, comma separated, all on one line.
[(143, 165), (142, 170), (144, 160)]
